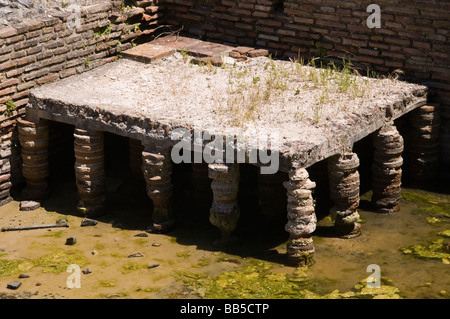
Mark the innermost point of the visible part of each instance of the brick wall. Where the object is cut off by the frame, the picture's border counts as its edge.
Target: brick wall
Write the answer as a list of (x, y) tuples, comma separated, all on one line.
[(414, 37), (38, 52)]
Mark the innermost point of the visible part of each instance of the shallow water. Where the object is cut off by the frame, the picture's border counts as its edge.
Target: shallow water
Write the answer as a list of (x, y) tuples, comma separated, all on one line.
[(179, 257)]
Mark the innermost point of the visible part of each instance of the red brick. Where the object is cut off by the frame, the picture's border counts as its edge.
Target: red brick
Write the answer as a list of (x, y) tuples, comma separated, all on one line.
[(7, 91), (8, 83), (47, 78), (7, 65), (7, 32)]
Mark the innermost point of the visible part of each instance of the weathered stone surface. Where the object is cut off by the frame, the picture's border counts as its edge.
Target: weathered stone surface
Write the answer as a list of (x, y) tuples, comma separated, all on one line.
[(89, 171), (386, 169), (301, 218), (14, 285), (141, 103), (224, 212), (157, 168), (29, 205), (423, 144), (33, 139), (147, 52), (88, 222), (71, 241), (344, 192)]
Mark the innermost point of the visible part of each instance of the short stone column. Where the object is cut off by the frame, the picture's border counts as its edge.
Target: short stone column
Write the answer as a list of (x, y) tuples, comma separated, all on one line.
[(344, 192), (271, 194), (33, 137), (157, 168), (387, 169), (90, 171), (423, 147), (224, 212), (301, 218)]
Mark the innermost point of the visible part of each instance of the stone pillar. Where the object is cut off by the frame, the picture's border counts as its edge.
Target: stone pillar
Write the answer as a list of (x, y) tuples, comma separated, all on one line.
[(301, 218), (5, 168), (201, 185), (344, 192), (33, 139), (271, 194), (90, 171), (423, 146), (224, 212), (136, 148), (157, 168), (386, 169)]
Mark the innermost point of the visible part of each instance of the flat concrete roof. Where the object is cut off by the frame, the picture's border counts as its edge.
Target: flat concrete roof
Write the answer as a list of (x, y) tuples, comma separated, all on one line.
[(315, 112)]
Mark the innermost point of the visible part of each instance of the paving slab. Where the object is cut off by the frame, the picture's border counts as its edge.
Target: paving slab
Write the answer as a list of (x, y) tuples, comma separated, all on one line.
[(147, 52), (175, 42)]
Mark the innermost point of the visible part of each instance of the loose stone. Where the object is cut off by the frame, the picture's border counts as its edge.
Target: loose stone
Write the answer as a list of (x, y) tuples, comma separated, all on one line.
[(71, 241), (14, 285), (29, 205), (88, 222)]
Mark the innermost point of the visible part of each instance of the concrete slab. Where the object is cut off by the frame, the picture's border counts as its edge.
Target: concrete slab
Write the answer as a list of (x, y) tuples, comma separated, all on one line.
[(314, 114), (208, 49)]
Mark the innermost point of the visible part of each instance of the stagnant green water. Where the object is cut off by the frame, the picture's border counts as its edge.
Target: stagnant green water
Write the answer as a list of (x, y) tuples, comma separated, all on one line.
[(410, 247)]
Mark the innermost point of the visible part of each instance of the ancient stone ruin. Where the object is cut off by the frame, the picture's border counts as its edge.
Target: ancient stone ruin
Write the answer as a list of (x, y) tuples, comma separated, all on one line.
[(227, 93)]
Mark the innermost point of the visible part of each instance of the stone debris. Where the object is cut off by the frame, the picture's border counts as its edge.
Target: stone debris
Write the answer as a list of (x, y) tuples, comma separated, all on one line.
[(23, 276), (88, 222), (152, 266), (14, 285), (141, 235), (71, 241), (86, 271), (28, 205), (135, 255)]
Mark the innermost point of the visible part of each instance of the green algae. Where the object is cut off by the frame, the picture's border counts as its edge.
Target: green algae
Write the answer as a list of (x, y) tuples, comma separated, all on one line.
[(55, 262), (258, 281), (436, 250), (445, 233), (132, 266), (202, 262), (58, 261), (56, 234), (427, 203), (107, 283)]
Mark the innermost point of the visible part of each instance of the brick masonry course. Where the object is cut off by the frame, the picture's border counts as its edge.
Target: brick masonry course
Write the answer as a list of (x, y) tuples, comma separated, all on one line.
[(35, 53), (413, 37)]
